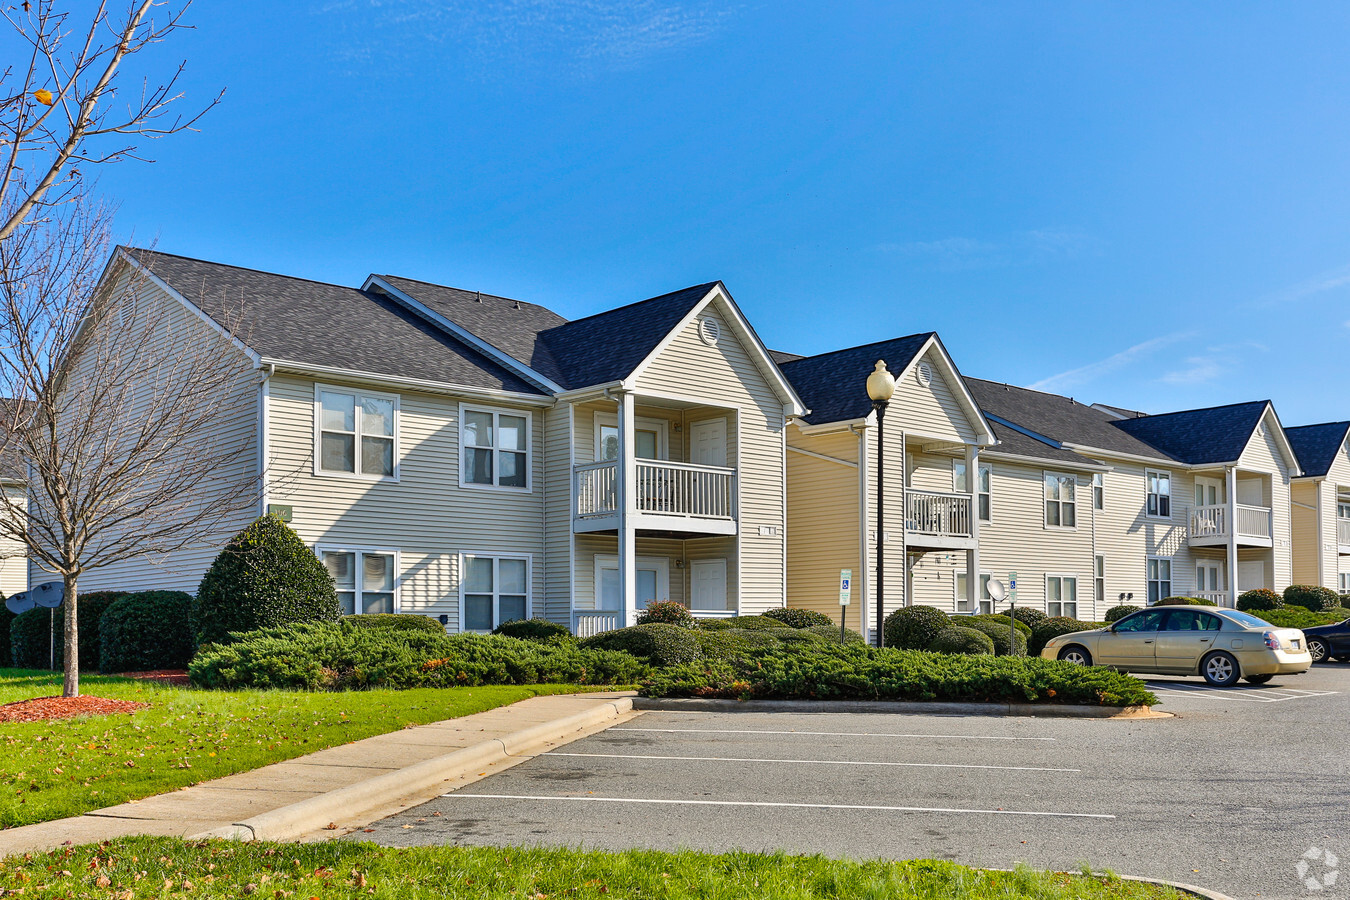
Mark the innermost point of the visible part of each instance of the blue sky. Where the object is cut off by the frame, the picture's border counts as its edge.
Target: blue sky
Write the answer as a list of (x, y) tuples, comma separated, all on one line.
[(1138, 203)]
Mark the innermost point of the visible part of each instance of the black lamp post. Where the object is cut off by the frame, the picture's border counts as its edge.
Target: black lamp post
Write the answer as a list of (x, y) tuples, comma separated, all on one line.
[(880, 387)]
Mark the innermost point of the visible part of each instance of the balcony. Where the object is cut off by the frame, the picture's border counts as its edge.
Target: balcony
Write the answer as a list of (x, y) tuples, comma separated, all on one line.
[(938, 520), (1218, 598), (670, 497), (1209, 526)]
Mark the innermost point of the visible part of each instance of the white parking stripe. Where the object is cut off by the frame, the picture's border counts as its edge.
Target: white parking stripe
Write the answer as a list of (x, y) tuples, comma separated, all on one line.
[(812, 762), (965, 737), (922, 809), (1243, 694)]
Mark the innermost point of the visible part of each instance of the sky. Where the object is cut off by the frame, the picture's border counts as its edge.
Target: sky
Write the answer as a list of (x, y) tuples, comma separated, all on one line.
[(1137, 203)]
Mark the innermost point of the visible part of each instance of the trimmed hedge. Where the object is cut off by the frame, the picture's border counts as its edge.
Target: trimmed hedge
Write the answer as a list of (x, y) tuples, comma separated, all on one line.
[(799, 618), (1311, 596), (1185, 601), (145, 631), (264, 578), (914, 627), (997, 634), (329, 656), (669, 612), (28, 633), (1258, 599), (1022, 627), (1053, 627), (529, 629), (658, 643), (859, 672), (6, 617), (1298, 617), (394, 622), (1029, 615), (960, 640), (1116, 613), (831, 633), (725, 643)]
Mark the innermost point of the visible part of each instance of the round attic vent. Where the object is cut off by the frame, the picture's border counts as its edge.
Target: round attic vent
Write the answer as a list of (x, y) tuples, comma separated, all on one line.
[(923, 373), (709, 331)]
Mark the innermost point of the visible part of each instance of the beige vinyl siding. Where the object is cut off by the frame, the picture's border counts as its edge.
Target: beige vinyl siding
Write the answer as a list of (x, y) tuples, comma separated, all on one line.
[(932, 410), (557, 486), (1263, 454), (1308, 558), (822, 520), (726, 374), (13, 558), (426, 515)]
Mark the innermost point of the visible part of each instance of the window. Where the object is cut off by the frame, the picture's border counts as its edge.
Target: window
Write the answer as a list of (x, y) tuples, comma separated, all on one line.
[(649, 436), (653, 581), (496, 449), (1345, 582), (1098, 491), (1099, 579), (1343, 510), (1159, 578), (1159, 494), (356, 433), (963, 598), (1060, 508), (367, 580), (1190, 620), (1061, 595), (960, 483), (1140, 621), (985, 498), (493, 590)]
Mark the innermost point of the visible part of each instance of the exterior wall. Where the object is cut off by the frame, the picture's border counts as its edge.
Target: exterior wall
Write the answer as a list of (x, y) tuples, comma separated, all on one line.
[(823, 525), (557, 484), (13, 561), (1309, 559), (678, 553), (928, 410), (1263, 454)]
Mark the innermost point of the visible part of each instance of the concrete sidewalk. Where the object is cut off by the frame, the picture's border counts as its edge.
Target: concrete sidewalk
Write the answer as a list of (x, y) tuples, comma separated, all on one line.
[(341, 788)]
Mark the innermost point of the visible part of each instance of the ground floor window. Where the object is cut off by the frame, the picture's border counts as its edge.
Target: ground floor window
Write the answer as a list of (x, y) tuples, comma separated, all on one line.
[(493, 590), (1099, 579), (1345, 582), (1061, 595), (653, 581), (1159, 578), (367, 580), (963, 595)]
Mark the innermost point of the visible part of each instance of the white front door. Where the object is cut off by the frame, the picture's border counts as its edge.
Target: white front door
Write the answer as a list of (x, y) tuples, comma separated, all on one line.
[(1251, 574), (708, 579), (653, 581), (708, 442)]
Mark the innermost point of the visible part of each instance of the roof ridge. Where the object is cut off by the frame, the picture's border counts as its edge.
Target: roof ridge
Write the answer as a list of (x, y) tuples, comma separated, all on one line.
[(1031, 390), (451, 287), (211, 262), (1181, 412), (706, 284), (903, 337), (1345, 424)]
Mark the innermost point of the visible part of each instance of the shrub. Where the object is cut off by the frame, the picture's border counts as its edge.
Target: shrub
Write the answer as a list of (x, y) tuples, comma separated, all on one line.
[(658, 643), (312, 656), (530, 629), (6, 617), (998, 633), (832, 633), (145, 631), (753, 622), (724, 643), (29, 633), (914, 627), (1259, 599), (957, 639), (264, 578), (1116, 613), (669, 612), (858, 672), (1053, 627), (1022, 627), (1311, 596), (1029, 615), (394, 622), (1299, 617), (1185, 601), (799, 618)]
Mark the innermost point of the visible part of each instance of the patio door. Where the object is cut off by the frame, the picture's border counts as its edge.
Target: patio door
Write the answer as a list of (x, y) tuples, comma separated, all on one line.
[(653, 581), (1208, 491), (1251, 574), (708, 442), (1209, 577)]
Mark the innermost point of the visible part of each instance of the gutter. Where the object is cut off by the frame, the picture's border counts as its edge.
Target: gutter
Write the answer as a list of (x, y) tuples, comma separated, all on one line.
[(400, 383)]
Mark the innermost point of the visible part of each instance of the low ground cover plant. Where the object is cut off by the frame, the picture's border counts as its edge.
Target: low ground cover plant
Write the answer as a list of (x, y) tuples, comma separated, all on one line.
[(1298, 617), (395, 622)]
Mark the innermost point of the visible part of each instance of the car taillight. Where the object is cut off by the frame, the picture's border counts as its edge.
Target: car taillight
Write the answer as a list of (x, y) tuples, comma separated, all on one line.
[(1271, 640)]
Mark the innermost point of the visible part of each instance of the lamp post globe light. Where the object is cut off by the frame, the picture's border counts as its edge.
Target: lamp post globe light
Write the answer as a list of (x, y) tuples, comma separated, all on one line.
[(880, 387)]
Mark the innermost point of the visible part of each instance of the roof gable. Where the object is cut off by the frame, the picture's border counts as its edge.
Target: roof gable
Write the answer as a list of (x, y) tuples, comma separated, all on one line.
[(834, 385), (1316, 446), (1200, 436)]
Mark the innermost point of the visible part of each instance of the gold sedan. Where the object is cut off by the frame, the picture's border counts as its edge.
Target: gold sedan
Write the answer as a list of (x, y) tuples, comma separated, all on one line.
[(1223, 645)]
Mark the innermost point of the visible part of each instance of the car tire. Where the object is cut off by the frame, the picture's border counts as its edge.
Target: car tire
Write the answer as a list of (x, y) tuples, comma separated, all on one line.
[(1342, 659), (1076, 654), (1317, 649), (1220, 669), (1258, 679)]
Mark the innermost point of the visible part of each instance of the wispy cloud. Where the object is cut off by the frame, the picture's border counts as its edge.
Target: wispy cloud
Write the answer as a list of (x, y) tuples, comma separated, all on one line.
[(1332, 280), (1016, 249), (1212, 364), (1116, 361)]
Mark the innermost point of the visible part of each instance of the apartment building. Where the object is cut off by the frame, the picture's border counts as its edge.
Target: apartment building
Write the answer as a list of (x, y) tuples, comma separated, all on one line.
[(1321, 501)]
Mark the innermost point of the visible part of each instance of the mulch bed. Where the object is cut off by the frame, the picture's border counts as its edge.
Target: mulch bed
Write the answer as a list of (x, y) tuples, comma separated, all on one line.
[(162, 676), (41, 709)]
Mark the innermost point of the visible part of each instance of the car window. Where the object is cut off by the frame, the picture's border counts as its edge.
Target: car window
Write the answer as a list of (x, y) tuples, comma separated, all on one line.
[(1243, 618), (1190, 620), (1208, 622), (1144, 621)]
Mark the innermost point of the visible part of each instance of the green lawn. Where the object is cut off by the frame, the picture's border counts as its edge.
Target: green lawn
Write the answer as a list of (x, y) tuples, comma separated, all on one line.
[(49, 770), (162, 867)]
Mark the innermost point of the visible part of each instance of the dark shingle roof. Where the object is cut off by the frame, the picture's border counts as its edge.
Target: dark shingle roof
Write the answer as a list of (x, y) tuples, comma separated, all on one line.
[(1122, 411), (1058, 418), (834, 385), (782, 356), (315, 323), (1316, 446), (1015, 443), (1199, 436)]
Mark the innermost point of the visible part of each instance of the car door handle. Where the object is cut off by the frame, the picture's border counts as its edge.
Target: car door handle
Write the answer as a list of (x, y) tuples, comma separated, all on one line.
[(1148, 642)]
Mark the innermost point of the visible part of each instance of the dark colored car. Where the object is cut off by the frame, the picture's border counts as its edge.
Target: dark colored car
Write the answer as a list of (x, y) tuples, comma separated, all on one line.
[(1329, 641)]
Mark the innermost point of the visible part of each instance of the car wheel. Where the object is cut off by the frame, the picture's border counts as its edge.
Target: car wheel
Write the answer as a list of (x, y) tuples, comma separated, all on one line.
[(1258, 679), (1221, 669), (1076, 655), (1317, 648)]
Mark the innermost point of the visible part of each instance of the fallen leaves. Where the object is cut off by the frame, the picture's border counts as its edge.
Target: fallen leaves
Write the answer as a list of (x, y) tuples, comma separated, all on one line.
[(41, 709)]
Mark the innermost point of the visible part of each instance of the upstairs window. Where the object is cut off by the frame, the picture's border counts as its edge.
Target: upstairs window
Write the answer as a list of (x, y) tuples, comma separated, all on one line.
[(985, 500), (1099, 579), (1098, 491), (357, 433), (1159, 494), (1343, 510), (496, 449), (1060, 503)]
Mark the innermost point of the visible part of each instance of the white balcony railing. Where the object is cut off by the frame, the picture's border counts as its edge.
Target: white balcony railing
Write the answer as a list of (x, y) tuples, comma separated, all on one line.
[(1343, 532), (588, 622), (1212, 522), (933, 513), (1218, 598), (662, 489)]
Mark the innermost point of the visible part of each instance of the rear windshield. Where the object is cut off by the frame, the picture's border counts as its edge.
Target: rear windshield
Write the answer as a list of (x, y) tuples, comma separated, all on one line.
[(1248, 620)]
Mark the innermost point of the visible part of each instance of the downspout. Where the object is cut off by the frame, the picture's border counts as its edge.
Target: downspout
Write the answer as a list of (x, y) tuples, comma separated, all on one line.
[(864, 582)]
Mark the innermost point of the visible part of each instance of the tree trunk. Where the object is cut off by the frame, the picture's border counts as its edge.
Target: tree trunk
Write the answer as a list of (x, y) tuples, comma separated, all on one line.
[(71, 686)]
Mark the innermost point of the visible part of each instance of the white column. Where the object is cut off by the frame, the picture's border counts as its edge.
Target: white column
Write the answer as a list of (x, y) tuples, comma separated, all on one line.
[(626, 477), (973, 554), (1230, 513)]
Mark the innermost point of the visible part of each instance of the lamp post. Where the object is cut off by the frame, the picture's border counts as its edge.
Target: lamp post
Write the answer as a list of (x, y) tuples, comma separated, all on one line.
[(880, 387)]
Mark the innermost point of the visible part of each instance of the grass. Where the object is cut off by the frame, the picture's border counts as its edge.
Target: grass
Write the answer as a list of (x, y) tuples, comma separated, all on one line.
[(49, 770), (162, 867)]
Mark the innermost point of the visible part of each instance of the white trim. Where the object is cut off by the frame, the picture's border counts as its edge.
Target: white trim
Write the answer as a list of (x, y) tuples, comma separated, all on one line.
[(466, 555), (567, 518), (1042, 462), (643, 423), (1045, 585), (1171, 576), (356, 394), (321, 549), (990, 468), (984, 434), (394, 382), (495, 412), (1289, 455), (821, 456), (1045, 501), (1171, 497), (958, 598), (661, 564)]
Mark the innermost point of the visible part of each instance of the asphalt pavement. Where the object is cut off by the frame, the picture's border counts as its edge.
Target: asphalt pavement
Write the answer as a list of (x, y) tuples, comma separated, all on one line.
[(1229, 794)]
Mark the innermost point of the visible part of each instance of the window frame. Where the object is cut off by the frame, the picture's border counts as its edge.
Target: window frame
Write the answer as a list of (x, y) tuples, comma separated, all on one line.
[(357, 604), (356, 394), (641, 423), (959, 597), (1062, 577), (1149, 581), (496, 557), (1099, 578), (1046, 475), (1148, 477), (1344, 579), (989, 469), (496, 412), (1099, 491)]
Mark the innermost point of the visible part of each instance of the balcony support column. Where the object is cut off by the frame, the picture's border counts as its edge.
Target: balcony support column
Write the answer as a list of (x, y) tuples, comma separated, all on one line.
[(626, 489), (1230, 512), (973, 554)]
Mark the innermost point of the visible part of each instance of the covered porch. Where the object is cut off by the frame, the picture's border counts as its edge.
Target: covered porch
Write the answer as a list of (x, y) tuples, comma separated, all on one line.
[(1232, 509)]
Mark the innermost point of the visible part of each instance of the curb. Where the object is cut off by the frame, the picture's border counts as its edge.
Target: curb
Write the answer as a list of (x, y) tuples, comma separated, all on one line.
[(900, 706), (1205, 893), (314, 813)]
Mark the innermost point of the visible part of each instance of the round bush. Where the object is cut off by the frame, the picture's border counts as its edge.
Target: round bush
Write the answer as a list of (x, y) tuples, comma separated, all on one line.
[(1028, 615), (670, 612), (6, 617), (394, 622), (998, 634), (831, 632), (530, 629), (966, 641), (1259, 599), (658, 643), (725, 643), (1053, 627), (1311, 596), (915, 627), (1116, 613), (799, 618), (1185, 601), (265, 577), (28, 633), (145, 631), (1022, 627)]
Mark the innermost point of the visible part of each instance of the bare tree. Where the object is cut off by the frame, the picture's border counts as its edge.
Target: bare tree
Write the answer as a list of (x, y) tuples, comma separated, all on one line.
[(117, 391), (66, 106)]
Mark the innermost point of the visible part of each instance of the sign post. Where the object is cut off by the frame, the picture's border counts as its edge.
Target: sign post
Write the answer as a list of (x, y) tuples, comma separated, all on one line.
[(996, 593), (845, 595)]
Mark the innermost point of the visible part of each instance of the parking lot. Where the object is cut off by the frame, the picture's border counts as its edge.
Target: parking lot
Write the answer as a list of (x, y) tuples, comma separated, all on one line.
[(1227, 794)]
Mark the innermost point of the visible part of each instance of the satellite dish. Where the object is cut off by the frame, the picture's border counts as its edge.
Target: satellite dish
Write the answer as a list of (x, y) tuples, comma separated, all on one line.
[(20, 603), (997, 590), (49, 595)]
